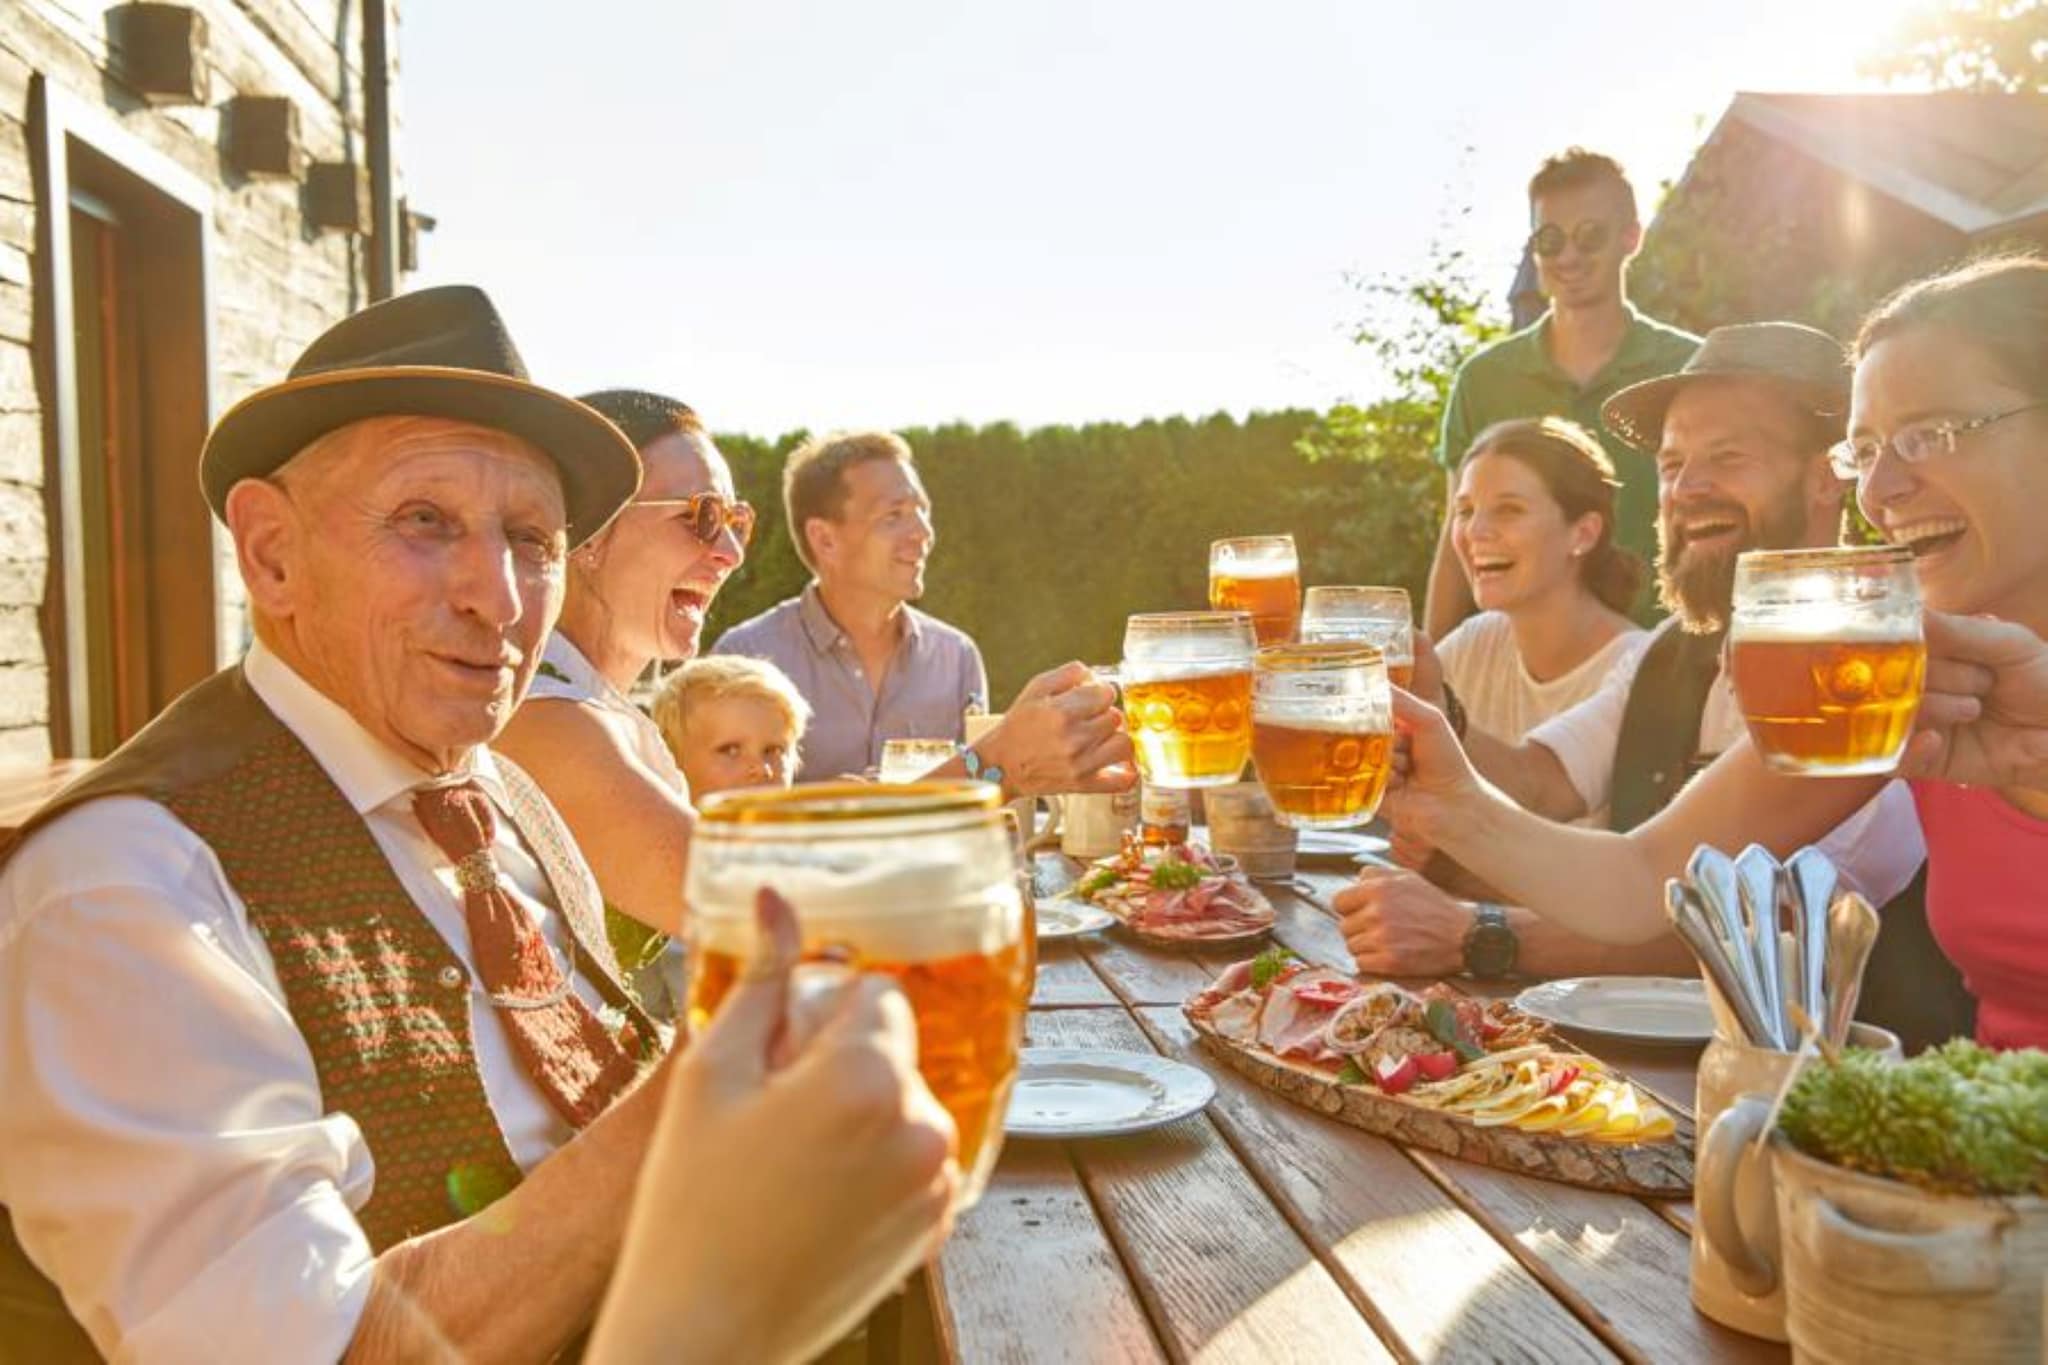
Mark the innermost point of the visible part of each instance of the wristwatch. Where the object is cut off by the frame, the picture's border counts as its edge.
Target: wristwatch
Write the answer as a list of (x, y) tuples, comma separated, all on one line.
[(1490, 944)]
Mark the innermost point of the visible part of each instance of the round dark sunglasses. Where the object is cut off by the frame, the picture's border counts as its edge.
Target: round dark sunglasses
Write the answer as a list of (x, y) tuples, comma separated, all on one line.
[(1589, 237)]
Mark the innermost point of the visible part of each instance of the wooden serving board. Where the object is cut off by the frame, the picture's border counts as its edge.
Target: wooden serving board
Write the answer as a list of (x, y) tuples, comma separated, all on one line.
[(1662, 1168)]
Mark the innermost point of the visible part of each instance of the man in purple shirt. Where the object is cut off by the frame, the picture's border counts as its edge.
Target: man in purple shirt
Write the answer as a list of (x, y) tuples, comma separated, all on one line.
[(872, 666)]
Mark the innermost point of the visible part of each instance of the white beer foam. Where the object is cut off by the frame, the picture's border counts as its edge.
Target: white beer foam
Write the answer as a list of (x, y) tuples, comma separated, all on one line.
[(1273, 715), (1822, 625), (905, 910), (1257, 568)]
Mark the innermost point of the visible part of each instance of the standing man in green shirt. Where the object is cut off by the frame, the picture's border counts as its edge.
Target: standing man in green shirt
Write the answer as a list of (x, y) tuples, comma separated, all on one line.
[(1590, 344)]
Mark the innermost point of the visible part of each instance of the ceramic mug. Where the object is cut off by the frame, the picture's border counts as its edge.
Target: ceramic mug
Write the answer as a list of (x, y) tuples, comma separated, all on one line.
[(1734, 1233), (1091, 824)]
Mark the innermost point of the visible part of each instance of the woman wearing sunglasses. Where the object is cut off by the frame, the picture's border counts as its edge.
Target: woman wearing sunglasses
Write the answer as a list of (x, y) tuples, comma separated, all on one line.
[(637, 592), (1948, 444)]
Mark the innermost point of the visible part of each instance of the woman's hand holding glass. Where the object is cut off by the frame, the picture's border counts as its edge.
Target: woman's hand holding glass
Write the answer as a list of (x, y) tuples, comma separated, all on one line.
[(1985, 717)]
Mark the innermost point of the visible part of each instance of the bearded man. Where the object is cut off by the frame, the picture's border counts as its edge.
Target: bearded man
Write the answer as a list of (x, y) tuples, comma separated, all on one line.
[(1740, 436)]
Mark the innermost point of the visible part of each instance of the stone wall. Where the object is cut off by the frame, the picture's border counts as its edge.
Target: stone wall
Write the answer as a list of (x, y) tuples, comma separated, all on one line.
[(274, 282)]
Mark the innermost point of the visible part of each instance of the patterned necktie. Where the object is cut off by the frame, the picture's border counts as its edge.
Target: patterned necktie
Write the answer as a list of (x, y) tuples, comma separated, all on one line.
[(576, 1063)]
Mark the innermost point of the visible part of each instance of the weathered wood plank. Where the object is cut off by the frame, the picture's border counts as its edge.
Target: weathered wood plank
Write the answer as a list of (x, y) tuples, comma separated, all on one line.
[(1222, 1274), (1065, 978), (1035, 1230), (1610, 1257), (1141, 974), (1436, 1282)]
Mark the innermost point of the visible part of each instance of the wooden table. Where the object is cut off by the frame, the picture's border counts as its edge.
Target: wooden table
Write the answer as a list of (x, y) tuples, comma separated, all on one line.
[(1261, 1231)]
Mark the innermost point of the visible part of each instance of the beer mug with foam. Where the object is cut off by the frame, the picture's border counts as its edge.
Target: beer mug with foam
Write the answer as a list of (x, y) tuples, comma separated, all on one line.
[(1322, 732), (1826, 652), (1376, 616), (1187, 683), (917, 881), (1261, 575)]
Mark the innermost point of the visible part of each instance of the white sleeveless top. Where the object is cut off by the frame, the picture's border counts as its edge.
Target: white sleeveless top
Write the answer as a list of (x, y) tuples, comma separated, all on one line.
[(565, 675)]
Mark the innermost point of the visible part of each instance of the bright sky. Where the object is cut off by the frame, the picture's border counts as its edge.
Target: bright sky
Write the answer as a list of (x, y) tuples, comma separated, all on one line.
[(910, 211)]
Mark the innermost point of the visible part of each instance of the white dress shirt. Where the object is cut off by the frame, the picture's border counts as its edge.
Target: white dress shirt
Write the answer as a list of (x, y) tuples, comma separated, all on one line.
[(164, 1151), (1877, 850)]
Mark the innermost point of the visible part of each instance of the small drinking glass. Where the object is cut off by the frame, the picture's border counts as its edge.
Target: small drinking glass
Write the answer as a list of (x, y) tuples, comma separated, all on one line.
[(1828, 657), (1187, 685), (1261, 575), (1322, 732), (1376, 616), (907, 760)]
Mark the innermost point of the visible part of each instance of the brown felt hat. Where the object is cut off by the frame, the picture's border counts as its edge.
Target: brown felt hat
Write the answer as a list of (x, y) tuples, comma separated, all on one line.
[(1807, 363), (440, 352)]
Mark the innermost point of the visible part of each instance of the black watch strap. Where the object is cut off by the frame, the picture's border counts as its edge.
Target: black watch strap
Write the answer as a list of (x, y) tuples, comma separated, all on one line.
[(1454, 711)]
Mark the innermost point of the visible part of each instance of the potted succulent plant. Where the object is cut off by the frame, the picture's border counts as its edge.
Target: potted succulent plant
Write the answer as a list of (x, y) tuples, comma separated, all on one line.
[(1911, 1200)]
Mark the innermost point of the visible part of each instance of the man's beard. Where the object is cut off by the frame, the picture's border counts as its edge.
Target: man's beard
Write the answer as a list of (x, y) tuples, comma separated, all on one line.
[(1698, 586)]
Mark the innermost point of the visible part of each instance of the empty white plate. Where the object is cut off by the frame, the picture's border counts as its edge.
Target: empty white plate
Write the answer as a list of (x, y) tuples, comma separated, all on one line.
[(1639, 1009), (1337, 843), (1073, 1092), (1064, 917)]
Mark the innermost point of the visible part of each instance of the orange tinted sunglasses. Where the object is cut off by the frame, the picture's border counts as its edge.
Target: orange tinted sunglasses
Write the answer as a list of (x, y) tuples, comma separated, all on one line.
[(707, 513)]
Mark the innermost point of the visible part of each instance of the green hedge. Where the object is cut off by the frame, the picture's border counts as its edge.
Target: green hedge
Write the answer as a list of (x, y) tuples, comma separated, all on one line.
[(1047, 539)]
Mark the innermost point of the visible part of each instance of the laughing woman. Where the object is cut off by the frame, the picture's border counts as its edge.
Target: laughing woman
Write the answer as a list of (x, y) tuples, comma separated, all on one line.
[(1533, 526), (638, 591), (1948, 444)]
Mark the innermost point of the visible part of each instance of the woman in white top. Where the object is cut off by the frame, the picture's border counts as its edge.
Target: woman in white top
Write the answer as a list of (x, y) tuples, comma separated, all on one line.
[(1533, 525), (638, 591)]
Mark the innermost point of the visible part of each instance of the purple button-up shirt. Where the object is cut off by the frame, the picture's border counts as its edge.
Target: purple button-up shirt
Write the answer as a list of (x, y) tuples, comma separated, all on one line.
[(935, 675)]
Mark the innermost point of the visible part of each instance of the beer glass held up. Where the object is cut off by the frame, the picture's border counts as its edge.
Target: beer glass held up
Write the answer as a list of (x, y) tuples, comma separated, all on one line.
[(1260, 575), (918, 882), (1827, 655), (1187, 684), (1380, 617), (1322, 732)]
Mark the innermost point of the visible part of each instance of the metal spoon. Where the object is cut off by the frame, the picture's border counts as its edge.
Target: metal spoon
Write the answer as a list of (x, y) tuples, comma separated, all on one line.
[(1852, 929), (1811, 877), (1713, 878), (1756, 881), (1689, 917)]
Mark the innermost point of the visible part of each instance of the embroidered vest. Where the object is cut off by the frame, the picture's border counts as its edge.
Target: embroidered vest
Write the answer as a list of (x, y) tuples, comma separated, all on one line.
[(381, 999)]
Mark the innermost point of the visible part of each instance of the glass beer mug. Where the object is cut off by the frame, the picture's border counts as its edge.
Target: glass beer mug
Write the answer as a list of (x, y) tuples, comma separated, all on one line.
[(1187, 682), (1380, 617), (1827, 656), (1322, 733), (1260, 575), (917, 881)]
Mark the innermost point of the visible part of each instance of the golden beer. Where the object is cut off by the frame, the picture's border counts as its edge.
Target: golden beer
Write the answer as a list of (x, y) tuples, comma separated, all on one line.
[(1187, 682), (1402, 675), (919, 882), (1193, 731), (1322, 732), (1259, 575), (1322, 778), (1827, 655), (1834, 706), (1273, 602), (1380, 617), (967, 1007)]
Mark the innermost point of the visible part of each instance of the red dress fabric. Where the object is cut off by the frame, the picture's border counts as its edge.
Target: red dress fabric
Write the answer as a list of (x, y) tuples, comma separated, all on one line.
[(1987, 903)]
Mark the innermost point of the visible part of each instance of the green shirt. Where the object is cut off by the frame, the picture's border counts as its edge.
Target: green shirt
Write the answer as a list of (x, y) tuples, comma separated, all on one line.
[(1515, 377)]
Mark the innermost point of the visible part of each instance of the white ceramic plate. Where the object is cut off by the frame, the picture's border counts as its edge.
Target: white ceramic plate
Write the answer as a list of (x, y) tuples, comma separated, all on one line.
[(1337, 843), (1065, 917), (1074, 1092), (1638, 1009)]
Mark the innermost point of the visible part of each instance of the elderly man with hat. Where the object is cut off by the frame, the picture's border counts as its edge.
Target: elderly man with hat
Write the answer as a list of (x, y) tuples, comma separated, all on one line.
[(302, 979), (1740, 437)]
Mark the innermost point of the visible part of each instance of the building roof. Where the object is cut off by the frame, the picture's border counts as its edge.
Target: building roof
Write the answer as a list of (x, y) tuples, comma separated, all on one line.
[(1974, 160)]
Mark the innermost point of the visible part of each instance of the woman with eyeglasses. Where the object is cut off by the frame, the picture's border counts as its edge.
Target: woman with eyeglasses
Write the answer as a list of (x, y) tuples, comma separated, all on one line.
[(637, 592), (1948, 444)]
